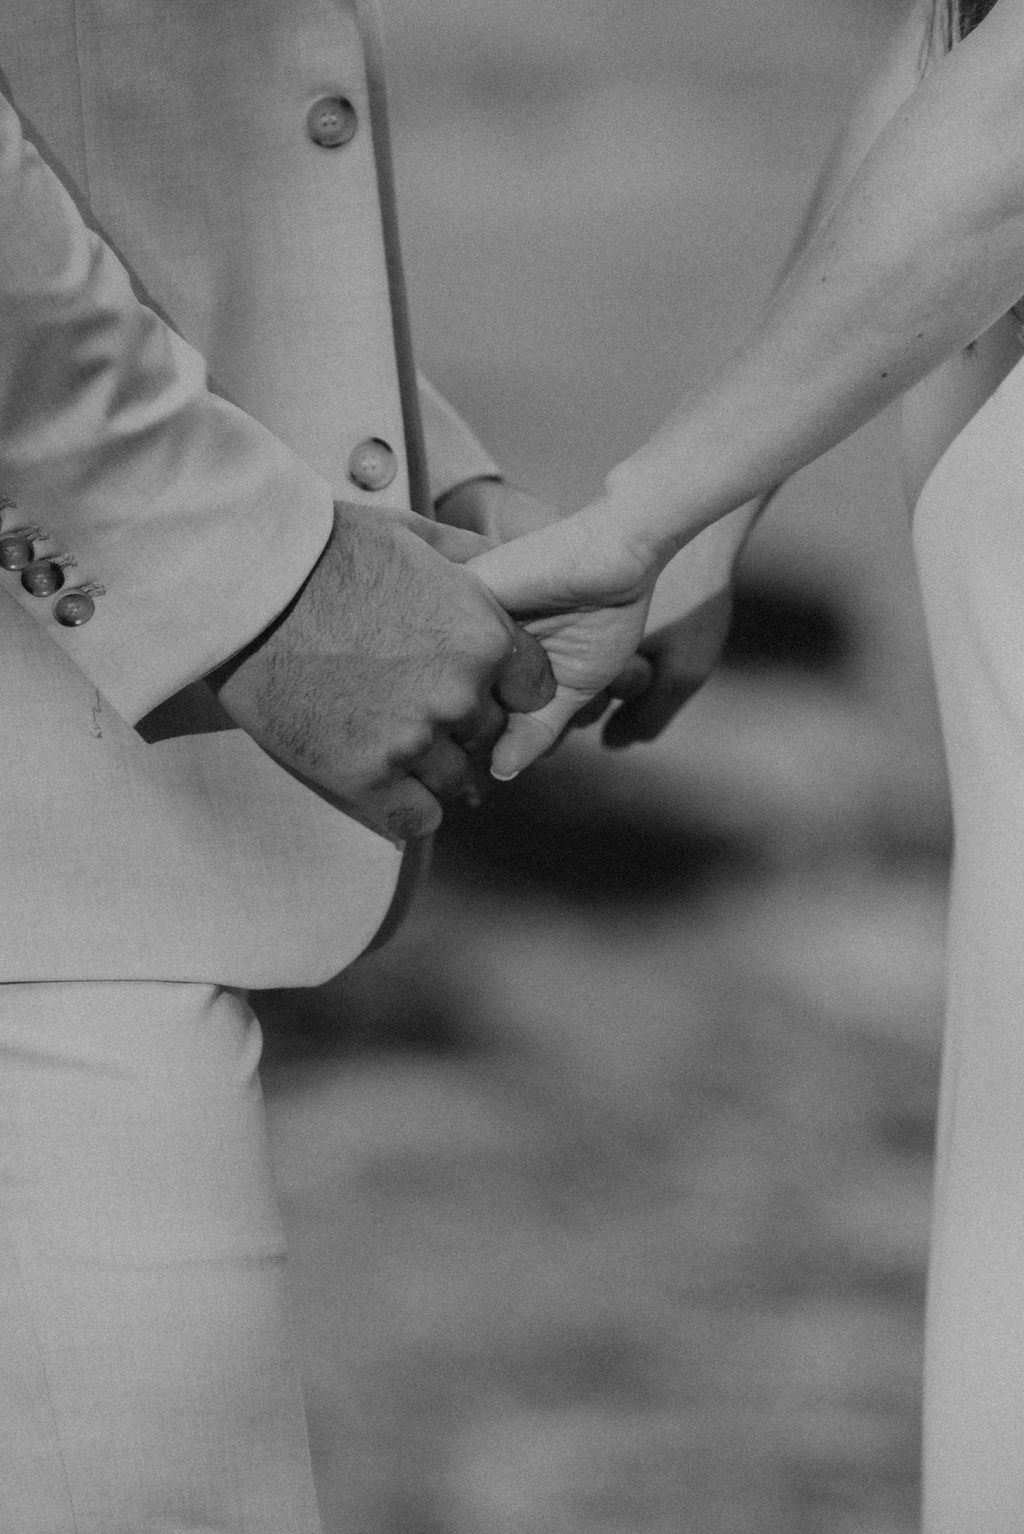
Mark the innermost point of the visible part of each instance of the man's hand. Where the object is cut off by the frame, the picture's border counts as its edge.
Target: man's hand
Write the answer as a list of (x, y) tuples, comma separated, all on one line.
[(392, 665)]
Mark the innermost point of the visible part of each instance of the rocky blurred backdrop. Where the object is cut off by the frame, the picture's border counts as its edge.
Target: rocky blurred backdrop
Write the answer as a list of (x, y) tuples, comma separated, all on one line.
[(607, 1183)]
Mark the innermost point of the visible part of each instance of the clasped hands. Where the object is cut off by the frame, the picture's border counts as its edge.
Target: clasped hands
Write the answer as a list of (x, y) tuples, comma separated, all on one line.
[(396, 675)]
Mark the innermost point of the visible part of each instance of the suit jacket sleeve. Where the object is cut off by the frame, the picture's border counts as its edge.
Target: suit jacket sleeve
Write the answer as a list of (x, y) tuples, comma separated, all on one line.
[(200, 523), (453, 453)]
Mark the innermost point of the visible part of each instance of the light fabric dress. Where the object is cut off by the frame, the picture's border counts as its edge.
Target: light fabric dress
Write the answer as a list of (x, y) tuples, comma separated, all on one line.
[(969, 543)]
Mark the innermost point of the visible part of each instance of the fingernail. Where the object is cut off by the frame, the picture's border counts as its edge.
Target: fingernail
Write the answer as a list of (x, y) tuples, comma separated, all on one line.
[(504, 777)]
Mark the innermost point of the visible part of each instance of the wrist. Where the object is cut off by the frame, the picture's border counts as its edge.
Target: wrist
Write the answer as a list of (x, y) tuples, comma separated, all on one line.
[(685, 484), (644, 506)]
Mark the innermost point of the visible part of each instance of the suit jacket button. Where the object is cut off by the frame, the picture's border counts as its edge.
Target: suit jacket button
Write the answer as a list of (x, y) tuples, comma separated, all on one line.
[(16, 551), (42, 578), (332, 121), (373, 464)]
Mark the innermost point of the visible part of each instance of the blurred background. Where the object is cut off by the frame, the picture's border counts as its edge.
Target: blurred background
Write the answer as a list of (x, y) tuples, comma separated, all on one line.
[(607, 1182)]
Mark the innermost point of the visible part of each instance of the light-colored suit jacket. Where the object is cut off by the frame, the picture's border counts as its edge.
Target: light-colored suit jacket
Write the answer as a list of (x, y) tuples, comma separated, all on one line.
[(201, 328)]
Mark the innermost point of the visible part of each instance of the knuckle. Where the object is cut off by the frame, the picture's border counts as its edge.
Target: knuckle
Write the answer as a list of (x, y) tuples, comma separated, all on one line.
[(499, 647), (460, 700), (410, 743), (378, 772)]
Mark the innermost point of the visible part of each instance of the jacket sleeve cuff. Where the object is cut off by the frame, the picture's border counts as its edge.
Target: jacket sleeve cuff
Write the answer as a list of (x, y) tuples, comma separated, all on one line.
[(205, 564), (454, 454)]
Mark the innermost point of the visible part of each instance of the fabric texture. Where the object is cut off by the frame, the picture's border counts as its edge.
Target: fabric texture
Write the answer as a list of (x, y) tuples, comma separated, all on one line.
[(196, 334), (196, 309), (145, 1358), (969, 544)]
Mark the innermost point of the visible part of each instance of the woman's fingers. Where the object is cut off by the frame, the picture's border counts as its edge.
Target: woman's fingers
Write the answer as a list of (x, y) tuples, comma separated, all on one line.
[(632, 682), (644, 718), (478, 736), (582, 593)]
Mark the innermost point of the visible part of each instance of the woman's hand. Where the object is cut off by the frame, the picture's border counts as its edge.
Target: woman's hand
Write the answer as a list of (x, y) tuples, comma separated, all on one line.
[(583, 589), (678, 657)]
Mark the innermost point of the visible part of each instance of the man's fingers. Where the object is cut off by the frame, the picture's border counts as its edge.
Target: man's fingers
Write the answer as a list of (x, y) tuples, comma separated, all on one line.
[(402, 813), (525, 739), (446, 771), (478, 734), (529, 736), (524, 682)]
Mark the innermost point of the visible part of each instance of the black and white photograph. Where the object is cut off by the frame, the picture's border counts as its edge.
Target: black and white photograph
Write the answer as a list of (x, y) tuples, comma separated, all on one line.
[(512, 767)]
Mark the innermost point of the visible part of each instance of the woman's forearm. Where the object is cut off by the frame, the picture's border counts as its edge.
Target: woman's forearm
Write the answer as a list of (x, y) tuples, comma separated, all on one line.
[(894, 76), (923, 251)]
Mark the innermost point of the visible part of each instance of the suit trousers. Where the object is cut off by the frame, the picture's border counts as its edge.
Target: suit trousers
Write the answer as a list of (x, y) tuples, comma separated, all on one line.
[(147, 1382)]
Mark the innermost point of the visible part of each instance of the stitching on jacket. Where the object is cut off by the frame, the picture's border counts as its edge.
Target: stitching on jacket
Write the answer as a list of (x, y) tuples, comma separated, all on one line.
[(86, 189)]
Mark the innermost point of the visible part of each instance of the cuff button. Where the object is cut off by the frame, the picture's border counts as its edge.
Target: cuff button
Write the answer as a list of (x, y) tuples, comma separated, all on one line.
[(16, 551), (42, 578), (73, 609)]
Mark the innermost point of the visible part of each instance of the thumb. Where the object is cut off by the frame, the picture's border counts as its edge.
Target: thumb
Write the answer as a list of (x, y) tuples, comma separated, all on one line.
[(524, 681), (456, 543), (518, 573), (529, 736)]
